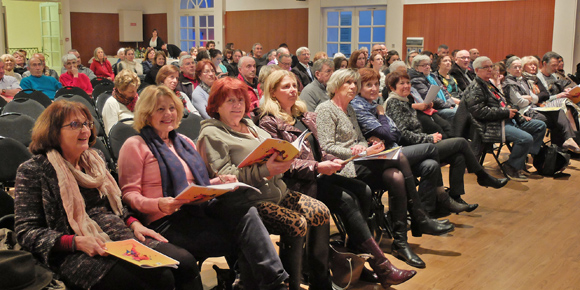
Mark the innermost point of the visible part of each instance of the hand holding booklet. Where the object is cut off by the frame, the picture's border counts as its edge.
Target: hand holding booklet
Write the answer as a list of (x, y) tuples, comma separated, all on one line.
[(286, 150), (197, 194), (136, 253), (389, 154), (431, 94)]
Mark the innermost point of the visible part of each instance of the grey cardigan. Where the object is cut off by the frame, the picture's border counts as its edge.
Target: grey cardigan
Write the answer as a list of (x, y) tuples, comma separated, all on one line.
[(313, 94)]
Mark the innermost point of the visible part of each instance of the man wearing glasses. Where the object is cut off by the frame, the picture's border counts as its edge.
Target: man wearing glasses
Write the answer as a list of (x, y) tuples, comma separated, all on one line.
[(495, 122), (460, 70)]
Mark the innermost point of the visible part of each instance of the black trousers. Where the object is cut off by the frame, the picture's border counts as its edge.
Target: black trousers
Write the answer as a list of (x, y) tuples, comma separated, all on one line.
[(456, 152), (435, 123), (424, 161), (557, 122), (351, 199)]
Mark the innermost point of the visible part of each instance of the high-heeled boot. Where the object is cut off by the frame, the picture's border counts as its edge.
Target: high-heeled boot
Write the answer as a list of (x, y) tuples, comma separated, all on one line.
[(421, 223), (388, 274), (319, 277), (484, 179), (291, 250), (400, 248)]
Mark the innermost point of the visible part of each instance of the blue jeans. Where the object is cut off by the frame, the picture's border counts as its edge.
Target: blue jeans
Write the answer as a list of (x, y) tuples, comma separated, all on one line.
[(448, 114), (527, 138)]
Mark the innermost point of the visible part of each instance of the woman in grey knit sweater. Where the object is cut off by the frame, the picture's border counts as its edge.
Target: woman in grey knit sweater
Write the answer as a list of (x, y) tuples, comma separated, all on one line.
[(340, 135)]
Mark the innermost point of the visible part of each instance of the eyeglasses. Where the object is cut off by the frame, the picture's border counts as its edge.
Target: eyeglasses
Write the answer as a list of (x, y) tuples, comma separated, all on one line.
[(207, 72), (486, 67), (425, 65), (74, 125)]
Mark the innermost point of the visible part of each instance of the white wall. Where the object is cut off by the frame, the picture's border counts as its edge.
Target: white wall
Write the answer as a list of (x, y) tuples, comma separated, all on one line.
[(113, 6), (565, 31), (241, 5)]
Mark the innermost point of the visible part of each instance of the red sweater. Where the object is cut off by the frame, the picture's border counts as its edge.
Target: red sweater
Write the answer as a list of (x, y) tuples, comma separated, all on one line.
[(104, 70), (254, 98), (82, 82)]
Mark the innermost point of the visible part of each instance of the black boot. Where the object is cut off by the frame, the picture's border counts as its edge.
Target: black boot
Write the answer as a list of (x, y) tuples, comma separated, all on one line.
[(447, 203), (401, 249), (319, 277), (388, 274), (291, 249), (484, 179), (421, 223)]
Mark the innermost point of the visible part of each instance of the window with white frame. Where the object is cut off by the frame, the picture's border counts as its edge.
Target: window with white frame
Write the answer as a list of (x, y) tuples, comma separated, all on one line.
[(348, 29), (196, 23)]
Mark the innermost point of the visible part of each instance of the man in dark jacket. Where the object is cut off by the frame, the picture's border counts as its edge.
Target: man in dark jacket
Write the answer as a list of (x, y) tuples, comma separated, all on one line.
[(187, 81), (496, 122), (459, 70), (303, 70)]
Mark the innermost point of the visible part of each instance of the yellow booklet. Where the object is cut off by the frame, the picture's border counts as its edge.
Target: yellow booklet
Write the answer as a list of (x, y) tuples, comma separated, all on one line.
[(198, 194), (136, 253), (268, 147)]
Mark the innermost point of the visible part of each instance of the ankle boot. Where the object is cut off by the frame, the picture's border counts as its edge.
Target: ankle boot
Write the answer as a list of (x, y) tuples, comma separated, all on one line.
[(388, 274), (484, 179), (291, 249), (421, 223), (447, 203), (401, 249), (319, 277)]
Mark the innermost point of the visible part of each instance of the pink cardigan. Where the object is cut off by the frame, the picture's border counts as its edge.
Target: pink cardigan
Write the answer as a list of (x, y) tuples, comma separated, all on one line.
[(140, 178)]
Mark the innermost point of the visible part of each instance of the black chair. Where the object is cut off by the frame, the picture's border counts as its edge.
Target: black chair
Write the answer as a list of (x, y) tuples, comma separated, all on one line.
[(101, 100), (142, 86), (34, 95), (119, 133), (190, 126), (104, 87), (80, 99), (100, 145), (28, 107), (74, 91), (12, 154), (99, 80), (2, 103), (17, 126)]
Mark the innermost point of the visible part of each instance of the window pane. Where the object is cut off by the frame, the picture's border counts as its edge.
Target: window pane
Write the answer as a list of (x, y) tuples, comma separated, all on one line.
[(184, 46), (183, 33), (365, 18), (379, 34), (210, 34), (203, 21), (332, 19), (331, 49), (332, 34), (191, 35), (190, 21), (345, 49), (210, 21), (190, 4), (345, 34), (183, 21), (203, 34), (209, 3), (183, 4), (202, 4), (346, 18), (364, 34), (380, 17)]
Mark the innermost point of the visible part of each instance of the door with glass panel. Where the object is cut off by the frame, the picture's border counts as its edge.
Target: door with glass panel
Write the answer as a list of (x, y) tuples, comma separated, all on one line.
[(50, 32), (196, 23)]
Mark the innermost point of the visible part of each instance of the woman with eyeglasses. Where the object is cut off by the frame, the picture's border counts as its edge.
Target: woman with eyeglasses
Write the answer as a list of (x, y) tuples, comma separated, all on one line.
[(205, 75), (122, 104), (72, 77), (68, 206)]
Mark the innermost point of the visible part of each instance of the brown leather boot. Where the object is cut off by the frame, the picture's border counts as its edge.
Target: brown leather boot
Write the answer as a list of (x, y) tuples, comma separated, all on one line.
[(388, 274)]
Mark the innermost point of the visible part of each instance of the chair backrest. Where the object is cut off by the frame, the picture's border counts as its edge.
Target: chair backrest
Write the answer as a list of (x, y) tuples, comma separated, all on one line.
[(6, 203), (74, 91), (17, 126), (119, 133), (12, 154), (99, 144), (104, 87), (142, 86), (190, 126), (79, 99), (28, 107), (99, 80), (2, 102), (38, 96), (101, 100)]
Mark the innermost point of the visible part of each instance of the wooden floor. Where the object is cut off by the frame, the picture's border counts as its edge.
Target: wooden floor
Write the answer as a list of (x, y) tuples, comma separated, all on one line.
[(523, 236)]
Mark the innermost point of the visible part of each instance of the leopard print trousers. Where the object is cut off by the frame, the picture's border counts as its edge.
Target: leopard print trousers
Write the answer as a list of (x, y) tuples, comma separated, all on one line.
[(293, 215)]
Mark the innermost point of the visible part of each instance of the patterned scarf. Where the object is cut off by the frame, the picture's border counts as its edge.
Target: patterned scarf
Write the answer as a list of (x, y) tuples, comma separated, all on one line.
[(96, 176), (205, 87), (173, 177), (129, 102)]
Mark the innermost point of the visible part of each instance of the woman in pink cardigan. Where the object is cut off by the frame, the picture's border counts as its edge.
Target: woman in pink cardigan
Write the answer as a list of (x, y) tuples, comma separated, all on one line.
[(156, 165), (74, 78)]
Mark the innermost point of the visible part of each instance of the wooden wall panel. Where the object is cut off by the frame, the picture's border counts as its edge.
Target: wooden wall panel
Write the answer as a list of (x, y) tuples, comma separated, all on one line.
[(495, 28), (268, 27), (91, 30)]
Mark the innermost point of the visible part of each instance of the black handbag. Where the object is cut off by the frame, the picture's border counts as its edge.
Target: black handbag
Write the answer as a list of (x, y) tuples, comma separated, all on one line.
[(550, 161)]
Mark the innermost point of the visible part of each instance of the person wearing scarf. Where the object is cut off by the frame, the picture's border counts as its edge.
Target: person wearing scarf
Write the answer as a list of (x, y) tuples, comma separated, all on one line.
[(68, 206), (122, 104), (520, 96), (205, 75), (158, 164), (168, 75)]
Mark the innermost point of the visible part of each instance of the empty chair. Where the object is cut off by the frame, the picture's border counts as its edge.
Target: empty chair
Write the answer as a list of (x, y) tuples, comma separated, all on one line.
[(119, 133), (99, 80), (80, 99), (12, 154), (104, 87), (6, 210), (27, 107), (34, 95), (74, 91), (190, 126), (16, 126)]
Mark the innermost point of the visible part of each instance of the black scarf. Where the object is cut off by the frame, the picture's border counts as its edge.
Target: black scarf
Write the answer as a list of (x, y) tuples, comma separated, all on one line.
[(173, 177)]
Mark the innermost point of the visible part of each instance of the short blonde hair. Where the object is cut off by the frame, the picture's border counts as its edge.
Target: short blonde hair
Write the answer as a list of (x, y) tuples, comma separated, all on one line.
[(6, 57), (126, 78), (272, 106), (147, 103), (530, 59), (340, 77)]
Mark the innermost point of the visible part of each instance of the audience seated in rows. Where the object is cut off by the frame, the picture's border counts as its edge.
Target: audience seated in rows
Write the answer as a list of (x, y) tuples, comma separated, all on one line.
[(38, 80), (72, 77)]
